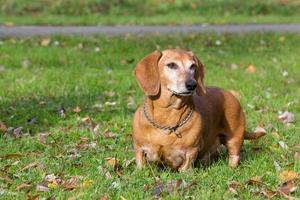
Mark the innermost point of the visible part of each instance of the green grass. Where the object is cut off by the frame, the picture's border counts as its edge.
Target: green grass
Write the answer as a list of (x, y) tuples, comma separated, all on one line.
[(86, 12), (36, 81)]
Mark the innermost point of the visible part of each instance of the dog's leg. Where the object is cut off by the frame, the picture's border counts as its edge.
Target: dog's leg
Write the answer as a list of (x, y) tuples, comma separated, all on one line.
[(139, 158), (234, 143), (190, 158)]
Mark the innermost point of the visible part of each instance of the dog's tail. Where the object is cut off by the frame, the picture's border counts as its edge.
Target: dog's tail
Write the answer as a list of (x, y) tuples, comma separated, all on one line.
[(253, 135)]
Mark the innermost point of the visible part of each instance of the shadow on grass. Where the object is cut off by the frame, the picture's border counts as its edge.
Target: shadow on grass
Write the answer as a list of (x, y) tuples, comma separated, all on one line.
[(40, 114)]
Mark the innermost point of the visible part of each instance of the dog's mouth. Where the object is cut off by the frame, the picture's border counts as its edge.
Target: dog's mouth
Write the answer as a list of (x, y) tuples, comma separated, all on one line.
[(189, 93)]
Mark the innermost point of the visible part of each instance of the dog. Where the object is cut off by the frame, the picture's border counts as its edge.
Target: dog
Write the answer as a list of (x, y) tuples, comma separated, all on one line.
[(181, 119)]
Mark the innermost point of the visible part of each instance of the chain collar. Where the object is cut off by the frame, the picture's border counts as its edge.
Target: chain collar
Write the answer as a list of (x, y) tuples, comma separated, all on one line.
[(172, 129)]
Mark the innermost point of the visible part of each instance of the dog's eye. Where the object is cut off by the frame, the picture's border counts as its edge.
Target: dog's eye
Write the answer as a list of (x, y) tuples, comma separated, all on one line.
[(172, 65), (193, 67)]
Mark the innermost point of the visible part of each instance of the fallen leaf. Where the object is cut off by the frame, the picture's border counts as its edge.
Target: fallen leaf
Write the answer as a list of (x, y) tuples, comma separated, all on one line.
[(24, 186), (86, 183), (297, 156), (277, 166), (108, 175), (259, 129), (109, 134), (3, 127), (30, 165), (233, 186), (288, 175), (42, 188), (251, 69), (11, 155), (71, 183), (112, 162), (254, 180), (77, 109), (89, 123), (286, 117), (109, 93), (45, 42), (129, 162), (104, 197), (172, 187), (17, 132), (283, 145), (34, 197), (3, 176), (287, 188)]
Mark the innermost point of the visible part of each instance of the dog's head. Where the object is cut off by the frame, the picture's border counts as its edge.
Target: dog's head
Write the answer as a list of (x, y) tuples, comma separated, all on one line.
[(178, 71)]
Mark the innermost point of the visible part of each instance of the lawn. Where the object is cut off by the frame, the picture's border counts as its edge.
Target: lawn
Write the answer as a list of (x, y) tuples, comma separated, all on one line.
[(94, 12), (75, 97)]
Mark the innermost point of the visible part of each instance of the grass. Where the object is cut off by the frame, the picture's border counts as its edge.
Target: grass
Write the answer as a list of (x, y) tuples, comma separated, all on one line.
[(89, 12), (96, 74)]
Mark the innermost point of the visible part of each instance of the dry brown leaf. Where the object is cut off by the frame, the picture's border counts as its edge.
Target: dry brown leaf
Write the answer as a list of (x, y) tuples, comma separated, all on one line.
[(287, 188), (42, 188), (30, 165), (11, 155), (108, 175), (3, 176), (129, 162), (256, 180), (109, 93), (45, 42), (286, 117), (288, 175), (34, 197), (17, 132), (112, 162), (233, 186), (71, 183), (24, 186), (109, 134), (77, 109), (297, 156), (172, 187), (259, 129), (3, 127), (104, 197), (251, 69)]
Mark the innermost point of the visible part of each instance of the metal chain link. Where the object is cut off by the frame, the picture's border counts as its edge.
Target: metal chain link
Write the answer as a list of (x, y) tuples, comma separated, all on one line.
[(173, 129)]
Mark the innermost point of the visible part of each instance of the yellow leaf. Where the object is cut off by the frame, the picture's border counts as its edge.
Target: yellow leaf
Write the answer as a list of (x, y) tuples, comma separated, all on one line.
[(251, 69), (288, 175), (76, 109), (111, 161), (86, 183), (45, 42)]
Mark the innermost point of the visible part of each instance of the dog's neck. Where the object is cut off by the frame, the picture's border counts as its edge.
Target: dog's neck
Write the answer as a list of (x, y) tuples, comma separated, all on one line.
[(167, 104)]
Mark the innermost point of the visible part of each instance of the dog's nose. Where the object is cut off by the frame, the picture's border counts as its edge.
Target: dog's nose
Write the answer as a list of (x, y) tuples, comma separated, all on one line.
[(190, 84)]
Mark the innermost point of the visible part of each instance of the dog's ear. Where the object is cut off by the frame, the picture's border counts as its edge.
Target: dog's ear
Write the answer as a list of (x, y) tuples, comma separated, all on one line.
[(147, 73), (199, 76)]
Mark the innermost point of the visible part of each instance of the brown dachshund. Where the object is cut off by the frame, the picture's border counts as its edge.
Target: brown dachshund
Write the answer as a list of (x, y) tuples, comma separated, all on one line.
[(181, 119)]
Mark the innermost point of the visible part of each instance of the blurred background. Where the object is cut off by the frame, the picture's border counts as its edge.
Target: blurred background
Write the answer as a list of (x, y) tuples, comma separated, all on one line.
[(148, 11)]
